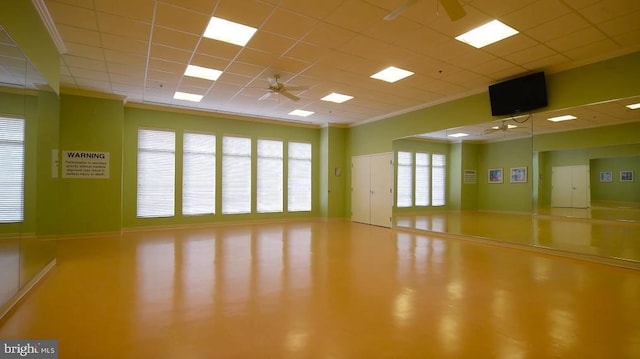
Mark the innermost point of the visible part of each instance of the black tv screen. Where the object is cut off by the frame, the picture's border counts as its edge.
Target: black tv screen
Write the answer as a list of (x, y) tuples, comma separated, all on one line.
[(518, 95)]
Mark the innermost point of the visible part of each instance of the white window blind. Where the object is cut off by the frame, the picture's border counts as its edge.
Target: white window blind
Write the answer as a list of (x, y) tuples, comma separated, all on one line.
[(11, 170), (236, 175), (270, 176), (423, 184), (156, 173), (405, 179), (199, 174), (299, 177), (438, 180)]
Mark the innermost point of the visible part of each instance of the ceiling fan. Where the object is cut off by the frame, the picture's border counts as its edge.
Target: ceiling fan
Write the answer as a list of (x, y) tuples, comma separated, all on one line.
[(278, 88), (454, 9)]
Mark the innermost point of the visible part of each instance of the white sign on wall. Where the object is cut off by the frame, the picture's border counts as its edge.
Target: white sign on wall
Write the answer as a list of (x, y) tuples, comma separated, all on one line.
[(85, 164)]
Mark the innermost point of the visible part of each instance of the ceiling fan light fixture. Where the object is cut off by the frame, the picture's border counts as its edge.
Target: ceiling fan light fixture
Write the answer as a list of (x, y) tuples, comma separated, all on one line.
[(487, 34), (391, 74), (229, 31), (187, 96), (202, 72), (633, 106), (337, 97), (508, 127), (301, 113), (562, 118)]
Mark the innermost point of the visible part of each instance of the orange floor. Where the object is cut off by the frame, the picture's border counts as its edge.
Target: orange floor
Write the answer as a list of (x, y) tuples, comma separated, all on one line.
[(325, 290)]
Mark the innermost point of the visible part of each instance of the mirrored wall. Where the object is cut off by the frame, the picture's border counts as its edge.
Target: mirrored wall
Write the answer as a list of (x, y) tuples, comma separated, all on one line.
[(567, 186), (29, 122)]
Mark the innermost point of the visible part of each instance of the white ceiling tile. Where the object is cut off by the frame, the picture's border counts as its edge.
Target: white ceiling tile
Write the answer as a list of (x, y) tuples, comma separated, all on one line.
[(247, 12), (180, 19)]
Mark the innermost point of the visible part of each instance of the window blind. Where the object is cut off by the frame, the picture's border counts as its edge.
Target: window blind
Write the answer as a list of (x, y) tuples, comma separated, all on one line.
[(270, 176), (299, 177), (438, 180), (11, 170), (236, 175), (156, 173), (422, 179), (199, 174), (405, 179)]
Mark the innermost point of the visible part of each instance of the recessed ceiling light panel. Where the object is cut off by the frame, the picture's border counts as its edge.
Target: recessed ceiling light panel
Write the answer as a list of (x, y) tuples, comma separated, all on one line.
[(562, 118), (187, 96), (487, 34), (229, 31), (459, 134), (634, 106), (391, 74), (202, 72), (337, 98), (301, 113)]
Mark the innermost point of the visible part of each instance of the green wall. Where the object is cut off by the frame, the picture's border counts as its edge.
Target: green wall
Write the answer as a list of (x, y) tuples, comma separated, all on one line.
[(91, 205)]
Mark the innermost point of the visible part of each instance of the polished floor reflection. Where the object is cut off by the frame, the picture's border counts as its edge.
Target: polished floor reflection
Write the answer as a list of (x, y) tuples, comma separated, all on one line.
[(611, 241), (321, 289)]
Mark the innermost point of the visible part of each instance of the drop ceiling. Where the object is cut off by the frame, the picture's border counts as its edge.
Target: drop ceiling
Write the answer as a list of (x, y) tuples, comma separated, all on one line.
[(140, 49)]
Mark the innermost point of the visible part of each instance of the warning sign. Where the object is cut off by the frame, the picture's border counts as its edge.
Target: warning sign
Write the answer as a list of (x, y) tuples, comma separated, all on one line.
[(83, 164)]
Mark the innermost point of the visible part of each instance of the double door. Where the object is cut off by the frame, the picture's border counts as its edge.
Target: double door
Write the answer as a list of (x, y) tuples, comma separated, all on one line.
[(372, 189), (570, 187)]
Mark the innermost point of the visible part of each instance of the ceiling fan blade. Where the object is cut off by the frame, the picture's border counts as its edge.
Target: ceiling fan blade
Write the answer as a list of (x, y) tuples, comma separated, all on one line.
[(400, 10), (289, 96), (265, 96), (453, 8), (296, 88)]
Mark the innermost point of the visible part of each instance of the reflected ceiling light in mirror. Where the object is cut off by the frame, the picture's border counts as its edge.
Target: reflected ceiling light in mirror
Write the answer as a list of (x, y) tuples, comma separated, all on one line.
[(459, 134), (336, 97), (562, 118), (487, 34), (391, 74), (301, 113), (202, 72), (634, 106), (187, 96), (502, 127), (229, 31)]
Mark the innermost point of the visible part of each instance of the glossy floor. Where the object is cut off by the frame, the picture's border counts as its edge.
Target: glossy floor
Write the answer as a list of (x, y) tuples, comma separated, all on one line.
[(325, 290), (615, 241)]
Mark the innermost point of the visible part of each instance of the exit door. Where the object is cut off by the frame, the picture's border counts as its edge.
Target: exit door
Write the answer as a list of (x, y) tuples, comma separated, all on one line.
[(371, 189)]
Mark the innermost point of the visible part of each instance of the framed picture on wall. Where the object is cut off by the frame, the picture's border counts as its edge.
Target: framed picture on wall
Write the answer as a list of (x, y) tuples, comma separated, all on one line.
[(626, 176), (606, 176), (495, 175), (518, 174)]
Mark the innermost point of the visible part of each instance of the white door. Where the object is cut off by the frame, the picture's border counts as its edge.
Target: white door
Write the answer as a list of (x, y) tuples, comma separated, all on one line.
[(371, 186), (381, 189), (570, 187), (360, 189)]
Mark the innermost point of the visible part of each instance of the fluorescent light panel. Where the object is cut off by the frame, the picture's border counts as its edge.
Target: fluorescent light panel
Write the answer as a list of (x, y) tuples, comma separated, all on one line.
[(391, 74), (337, 97), (187, 96), (562, 118), (229, 31), (301, 113), (634, 106), (459, 134), (202, 72), (487, 34)]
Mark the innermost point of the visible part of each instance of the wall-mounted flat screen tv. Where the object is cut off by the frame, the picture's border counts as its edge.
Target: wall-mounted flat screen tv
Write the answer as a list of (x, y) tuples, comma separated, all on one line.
[(518, 95)]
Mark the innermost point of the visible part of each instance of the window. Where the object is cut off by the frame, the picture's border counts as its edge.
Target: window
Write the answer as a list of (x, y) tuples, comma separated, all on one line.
[(156, 173), (299, 177), (422, 179), (438, 180), (236, 175), (199, 174), (12, 173), (421, 183), (405, 179), (270, 176)]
